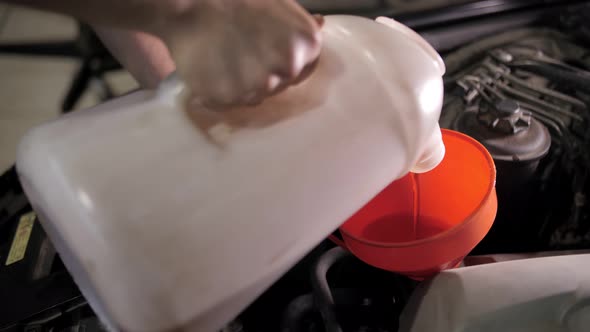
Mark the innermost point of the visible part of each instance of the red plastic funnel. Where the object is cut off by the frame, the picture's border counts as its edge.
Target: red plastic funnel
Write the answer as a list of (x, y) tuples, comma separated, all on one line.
[(455, 205)]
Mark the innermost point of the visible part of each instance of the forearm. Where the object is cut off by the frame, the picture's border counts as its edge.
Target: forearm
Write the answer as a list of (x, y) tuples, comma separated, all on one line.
[(143, 55), (145, 15), (123, 26)]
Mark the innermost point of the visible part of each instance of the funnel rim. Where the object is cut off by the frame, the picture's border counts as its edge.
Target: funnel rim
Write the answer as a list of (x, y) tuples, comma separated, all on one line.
[(455, 228)]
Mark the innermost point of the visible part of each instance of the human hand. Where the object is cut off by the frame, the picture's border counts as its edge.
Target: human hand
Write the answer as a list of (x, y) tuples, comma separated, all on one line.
[(144, 56), (239, 52)]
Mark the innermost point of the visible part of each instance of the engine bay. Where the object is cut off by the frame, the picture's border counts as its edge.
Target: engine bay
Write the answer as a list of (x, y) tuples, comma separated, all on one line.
[(520, 99), (518, 83)]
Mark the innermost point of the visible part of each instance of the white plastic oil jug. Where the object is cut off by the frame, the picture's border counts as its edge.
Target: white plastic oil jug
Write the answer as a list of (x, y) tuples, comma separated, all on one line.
[(175, 220)]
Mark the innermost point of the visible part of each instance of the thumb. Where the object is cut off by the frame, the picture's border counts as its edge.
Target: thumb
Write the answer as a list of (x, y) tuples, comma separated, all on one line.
[(319, 19)]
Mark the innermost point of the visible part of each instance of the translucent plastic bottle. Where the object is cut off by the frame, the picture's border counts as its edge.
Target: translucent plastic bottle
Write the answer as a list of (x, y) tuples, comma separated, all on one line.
[(548, 294), (174, 220)]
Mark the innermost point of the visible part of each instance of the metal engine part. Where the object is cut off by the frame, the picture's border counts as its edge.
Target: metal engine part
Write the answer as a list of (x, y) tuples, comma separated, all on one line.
[(505, 96)]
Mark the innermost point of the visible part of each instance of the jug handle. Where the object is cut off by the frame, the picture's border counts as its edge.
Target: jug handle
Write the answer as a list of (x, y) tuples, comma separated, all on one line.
[(338, 241), (413, 35)]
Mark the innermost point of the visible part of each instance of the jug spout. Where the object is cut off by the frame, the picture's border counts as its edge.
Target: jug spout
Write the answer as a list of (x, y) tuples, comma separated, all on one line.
[(433, 153)]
